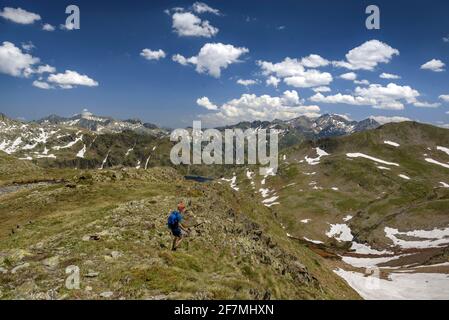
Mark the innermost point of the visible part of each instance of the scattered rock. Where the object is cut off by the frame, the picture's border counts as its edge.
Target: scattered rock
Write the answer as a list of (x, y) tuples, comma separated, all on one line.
[(3, 270), (91, 237), (17, 255), (158, 297), (20, 267), (88, 288), (106, 294), (52, 262), (92, 274)]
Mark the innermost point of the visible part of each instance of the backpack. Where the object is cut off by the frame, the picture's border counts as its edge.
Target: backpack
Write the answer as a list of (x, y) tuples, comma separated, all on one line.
[(173, 220)]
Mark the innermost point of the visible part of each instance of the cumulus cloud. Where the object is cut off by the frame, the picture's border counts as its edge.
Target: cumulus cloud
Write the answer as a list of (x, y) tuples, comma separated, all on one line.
[(48, 27), (205, 103), (363, 82), (246, 83), (434, 65), (201, 7), (444, 97), (14, 62), (273, 81), (153, 54), (213, 58), (349, 76), (251, 107), (70, 79), (390, 97), (314, 61), (45, 69), (28, 46), (182, 60), (384, 119), (42, 85), (425, 104), (18, 15), (186, 24), (309, 79), (322, 89), (389, 76), (368, 56), (294, 73), (446, 39)]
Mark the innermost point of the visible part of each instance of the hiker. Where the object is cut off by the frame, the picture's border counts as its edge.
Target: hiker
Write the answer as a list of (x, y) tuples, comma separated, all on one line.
[(175, 225)]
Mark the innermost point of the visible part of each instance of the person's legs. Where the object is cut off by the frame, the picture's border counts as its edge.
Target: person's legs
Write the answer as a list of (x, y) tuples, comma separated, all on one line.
[(173, 247), (178, 238), (178, 242)]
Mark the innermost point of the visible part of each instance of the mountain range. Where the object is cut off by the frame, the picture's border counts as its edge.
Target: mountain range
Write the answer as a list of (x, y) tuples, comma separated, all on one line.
[(352, 203)]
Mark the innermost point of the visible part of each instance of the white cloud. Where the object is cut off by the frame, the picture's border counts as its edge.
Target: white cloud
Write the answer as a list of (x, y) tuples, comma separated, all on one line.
[(67, 27), (189, 25), (390, 97), (14, 62), (363, 82), (322, 89), (389, 76), (349, 76), (246, 83), (45, 69), (339, 99), (424, 104), (314, 61), (294, 73), (213, 58), (153, 55), (251, 107), (18, 15), (310, 78), (384, 119), (368, 56), (273, 81), (434, 65), (48, 27), (446, 39), (287, 68), (42, 85), (205, 103), (28, 46), (201, 7), (444, 97), (70, 79), (182, 60)]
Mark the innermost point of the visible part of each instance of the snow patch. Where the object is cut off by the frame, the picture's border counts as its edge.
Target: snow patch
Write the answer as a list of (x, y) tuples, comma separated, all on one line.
[(427, 239), (340, 232), (314, 161), (444, 149), (437, 162), (361, 155), (409, 286), (391, 143)]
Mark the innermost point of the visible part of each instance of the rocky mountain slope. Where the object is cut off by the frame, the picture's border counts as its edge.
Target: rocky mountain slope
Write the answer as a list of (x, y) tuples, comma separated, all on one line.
[(303, 128), (377, 199), (110, 226), (367, 206), (90, 141), (100, 124)]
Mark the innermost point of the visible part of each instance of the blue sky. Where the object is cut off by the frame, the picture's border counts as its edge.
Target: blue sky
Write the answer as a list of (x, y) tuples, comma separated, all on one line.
[(243, 40)]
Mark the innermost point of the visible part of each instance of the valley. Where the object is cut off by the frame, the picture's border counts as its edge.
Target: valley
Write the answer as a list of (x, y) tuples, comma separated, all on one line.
[(355, 210)]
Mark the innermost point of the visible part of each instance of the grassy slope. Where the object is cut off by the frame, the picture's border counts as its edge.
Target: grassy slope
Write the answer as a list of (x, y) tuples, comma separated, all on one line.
[(239, 252), (376, 198)]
